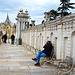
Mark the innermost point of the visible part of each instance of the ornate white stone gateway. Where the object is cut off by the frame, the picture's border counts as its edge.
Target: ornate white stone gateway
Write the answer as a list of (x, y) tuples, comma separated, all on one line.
[(22, 23)]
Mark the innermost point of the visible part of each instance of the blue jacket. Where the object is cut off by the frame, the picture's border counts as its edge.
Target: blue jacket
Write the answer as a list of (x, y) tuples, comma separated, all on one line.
[(47, 49)]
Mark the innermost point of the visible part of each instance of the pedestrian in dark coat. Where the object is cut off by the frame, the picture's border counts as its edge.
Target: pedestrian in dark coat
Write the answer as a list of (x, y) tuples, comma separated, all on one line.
[(47, 49), (45, 53), (12, 39), (2, 38), (5, 38)]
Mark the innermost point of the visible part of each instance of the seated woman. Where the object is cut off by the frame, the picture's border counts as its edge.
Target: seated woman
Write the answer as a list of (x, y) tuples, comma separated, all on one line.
[(45, 53)]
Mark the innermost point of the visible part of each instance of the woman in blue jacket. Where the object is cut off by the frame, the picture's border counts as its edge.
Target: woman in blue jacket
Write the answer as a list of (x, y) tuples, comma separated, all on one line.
[(45, 53)]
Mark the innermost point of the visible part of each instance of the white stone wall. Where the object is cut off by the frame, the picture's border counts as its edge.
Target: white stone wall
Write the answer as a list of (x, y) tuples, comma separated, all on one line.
[(60, 31)]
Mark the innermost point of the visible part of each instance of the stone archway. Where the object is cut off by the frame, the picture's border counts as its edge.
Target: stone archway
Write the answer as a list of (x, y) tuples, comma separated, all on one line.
[(73, 46), (65, 47)]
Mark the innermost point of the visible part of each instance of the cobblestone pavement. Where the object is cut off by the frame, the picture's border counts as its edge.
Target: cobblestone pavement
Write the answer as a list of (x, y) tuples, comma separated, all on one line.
[(16, 60)]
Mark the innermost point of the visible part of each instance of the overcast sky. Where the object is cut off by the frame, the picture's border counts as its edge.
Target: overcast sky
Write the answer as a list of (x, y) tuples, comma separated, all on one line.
[(36, 8)]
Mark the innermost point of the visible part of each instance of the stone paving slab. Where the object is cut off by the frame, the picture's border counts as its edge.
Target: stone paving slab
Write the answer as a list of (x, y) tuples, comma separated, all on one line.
[(39, 71), (14, 73), (16, 60)]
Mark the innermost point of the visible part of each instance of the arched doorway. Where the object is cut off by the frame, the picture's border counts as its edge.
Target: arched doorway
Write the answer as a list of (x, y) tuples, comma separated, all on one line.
[(65, 48), (73, 46)]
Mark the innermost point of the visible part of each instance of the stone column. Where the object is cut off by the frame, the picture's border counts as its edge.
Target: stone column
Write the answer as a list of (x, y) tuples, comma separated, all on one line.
[(59, 42)]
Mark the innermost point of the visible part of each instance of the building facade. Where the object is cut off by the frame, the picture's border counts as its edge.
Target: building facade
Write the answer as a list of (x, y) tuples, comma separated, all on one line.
[(61, 32)]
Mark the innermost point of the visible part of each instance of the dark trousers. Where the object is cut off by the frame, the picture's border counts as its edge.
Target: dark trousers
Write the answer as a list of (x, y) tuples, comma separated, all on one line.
[(4, 40), (12, 41)]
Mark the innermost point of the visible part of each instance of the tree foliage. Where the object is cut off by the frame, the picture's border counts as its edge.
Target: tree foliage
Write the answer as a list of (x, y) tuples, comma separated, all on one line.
[(65, 5), (53, 14)]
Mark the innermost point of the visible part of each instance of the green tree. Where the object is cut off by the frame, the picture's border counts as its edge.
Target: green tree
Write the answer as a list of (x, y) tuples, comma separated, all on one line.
[(53, 14), (65, 6)]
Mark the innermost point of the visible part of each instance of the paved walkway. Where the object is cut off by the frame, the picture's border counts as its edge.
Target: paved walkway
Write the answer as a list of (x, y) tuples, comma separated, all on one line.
[(16, 60)]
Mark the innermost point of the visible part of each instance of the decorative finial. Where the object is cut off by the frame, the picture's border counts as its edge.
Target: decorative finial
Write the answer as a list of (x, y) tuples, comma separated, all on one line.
[(26, 11), (21, 10)]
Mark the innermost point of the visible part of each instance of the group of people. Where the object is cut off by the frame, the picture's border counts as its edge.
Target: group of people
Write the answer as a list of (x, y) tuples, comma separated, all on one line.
[(45, 53), (4, 38)]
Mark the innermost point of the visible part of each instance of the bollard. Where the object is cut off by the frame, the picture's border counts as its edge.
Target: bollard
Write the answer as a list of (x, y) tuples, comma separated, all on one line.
[(20, 41)]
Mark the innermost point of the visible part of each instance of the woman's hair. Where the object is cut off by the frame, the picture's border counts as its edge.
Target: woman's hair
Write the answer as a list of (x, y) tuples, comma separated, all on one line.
[(49, 42)]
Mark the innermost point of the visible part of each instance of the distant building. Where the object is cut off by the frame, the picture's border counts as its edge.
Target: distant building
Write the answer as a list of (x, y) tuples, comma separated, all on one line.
[(7, 27)]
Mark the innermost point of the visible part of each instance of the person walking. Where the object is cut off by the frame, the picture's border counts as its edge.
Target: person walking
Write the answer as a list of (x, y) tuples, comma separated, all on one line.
[(2, 38), (12, 39), (45, 53), (5, 38)]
